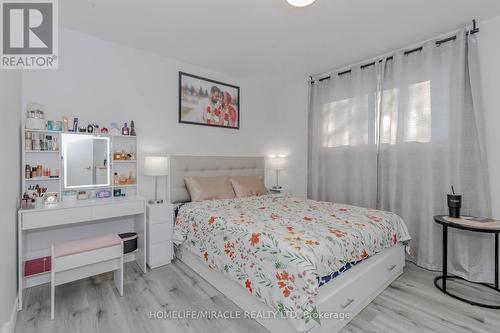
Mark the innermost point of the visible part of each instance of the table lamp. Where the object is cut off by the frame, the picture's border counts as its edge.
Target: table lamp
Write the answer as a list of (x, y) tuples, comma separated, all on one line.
[(277, 164), (156, 166)]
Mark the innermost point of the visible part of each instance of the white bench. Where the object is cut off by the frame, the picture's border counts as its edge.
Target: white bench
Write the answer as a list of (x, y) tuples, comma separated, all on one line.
[(86, 257)]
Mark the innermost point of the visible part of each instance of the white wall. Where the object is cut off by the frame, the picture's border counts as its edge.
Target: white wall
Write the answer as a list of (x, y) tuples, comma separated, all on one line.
[(290, 116), (103, 82), (10, 169), (489, 54)]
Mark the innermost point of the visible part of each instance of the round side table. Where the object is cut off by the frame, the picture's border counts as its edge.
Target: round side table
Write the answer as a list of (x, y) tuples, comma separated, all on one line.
[(473, 226)]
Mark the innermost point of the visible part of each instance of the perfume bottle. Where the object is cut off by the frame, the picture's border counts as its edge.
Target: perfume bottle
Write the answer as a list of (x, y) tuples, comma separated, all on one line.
[(132, 128), (125, 130)]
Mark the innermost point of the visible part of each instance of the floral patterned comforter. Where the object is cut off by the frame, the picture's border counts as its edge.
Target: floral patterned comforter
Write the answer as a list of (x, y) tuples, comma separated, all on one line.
[(277, 246)]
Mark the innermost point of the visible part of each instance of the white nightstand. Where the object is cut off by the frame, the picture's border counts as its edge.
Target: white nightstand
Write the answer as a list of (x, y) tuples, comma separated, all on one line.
[(160, 222), (280, 191)]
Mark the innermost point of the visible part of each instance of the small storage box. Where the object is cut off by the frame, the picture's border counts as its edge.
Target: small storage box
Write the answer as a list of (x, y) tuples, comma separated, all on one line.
[(129, 241), (37, 266)]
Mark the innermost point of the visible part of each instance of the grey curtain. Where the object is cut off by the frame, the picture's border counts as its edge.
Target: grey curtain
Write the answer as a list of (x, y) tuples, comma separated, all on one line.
[(397, 135)]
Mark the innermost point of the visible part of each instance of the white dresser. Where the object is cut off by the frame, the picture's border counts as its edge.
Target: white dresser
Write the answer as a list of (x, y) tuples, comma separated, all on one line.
[(160, 222)]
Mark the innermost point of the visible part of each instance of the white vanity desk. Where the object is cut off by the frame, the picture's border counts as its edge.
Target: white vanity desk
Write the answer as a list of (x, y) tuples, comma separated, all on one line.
[(39, 228)]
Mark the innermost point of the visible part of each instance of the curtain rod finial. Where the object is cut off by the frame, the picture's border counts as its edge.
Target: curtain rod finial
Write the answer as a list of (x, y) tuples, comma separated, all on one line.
[(474, 26)]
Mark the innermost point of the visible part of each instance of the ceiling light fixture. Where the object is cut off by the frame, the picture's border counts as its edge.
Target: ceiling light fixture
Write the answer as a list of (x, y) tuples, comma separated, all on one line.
[(300, 3)]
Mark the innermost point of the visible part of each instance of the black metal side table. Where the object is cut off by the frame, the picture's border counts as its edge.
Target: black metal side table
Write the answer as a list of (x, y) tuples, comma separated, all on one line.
[(463, 224)]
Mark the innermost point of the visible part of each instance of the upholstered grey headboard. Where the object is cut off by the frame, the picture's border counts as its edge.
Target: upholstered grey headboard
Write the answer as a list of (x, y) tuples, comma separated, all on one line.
[(182, 166)]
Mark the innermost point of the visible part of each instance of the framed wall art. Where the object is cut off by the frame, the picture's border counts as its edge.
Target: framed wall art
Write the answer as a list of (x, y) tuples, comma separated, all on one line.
[(207, 102)]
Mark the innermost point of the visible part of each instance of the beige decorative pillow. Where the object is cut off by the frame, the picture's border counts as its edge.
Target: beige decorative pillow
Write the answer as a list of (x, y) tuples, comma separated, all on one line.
[(248, 186), (209, 188)]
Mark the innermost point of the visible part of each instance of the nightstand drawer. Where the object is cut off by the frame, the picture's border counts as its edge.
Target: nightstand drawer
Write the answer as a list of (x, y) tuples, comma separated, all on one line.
[(160, 254), (160, 213), (160, 232)]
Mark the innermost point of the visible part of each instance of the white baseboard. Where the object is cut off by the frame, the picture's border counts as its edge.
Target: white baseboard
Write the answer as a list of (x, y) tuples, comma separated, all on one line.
[(10, 326)]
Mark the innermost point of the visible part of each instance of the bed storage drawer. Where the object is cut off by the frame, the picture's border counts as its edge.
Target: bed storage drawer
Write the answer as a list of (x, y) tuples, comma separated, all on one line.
[(351, 296)]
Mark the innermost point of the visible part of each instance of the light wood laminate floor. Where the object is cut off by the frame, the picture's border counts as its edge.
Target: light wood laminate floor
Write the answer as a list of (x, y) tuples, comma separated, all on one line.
[(410, 304)]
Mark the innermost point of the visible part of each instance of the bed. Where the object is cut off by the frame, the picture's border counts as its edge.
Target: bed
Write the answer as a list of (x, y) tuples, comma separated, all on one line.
[(293, 265)]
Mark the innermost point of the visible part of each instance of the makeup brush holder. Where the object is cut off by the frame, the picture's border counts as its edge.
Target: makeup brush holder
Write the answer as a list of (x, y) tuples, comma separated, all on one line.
[(454, 205)]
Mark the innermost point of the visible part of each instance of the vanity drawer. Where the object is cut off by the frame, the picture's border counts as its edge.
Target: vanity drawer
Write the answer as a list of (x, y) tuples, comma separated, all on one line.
[(50, 218), (117, 209), (160, 254), (160, 232)]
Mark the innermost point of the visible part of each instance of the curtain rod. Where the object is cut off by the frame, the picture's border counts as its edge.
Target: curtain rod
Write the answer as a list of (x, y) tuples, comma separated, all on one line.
[(474, 30)]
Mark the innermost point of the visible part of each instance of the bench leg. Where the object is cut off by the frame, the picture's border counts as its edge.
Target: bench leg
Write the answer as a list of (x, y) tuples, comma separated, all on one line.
[(52, 300), (52, 285), (118, 277)]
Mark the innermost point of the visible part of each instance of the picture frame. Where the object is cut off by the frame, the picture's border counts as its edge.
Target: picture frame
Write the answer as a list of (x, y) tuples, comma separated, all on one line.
[(208, 102)]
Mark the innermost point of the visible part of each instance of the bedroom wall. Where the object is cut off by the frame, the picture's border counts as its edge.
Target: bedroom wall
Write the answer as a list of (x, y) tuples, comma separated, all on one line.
[(10, 166), (489, 56), (103, 82)]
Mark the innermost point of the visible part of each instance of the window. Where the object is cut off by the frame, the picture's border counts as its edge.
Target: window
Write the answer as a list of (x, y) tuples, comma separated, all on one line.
[(406, 114), (349, 122)]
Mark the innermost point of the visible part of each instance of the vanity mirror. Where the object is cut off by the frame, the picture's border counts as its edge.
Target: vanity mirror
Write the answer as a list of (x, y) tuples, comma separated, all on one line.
[(85, 161)]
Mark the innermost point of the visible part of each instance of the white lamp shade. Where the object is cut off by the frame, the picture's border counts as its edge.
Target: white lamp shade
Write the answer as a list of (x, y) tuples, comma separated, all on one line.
[(156, 166), (277, 163)]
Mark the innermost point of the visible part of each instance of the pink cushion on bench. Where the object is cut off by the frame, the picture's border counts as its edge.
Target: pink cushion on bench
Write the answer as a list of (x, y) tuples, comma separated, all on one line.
[(86, 244)]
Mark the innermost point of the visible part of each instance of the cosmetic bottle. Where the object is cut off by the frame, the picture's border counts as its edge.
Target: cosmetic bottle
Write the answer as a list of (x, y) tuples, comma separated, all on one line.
[(28, 141), (65, 124), (55, 143), (125, 129), (132, 128), (27, 172), (36, 142)]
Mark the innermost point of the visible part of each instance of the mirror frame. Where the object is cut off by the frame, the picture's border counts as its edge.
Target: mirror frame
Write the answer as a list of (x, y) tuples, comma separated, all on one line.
[(64, 161)]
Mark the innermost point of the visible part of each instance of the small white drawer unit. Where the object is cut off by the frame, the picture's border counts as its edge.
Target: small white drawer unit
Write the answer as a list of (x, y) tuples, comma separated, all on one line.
[(160, 222)]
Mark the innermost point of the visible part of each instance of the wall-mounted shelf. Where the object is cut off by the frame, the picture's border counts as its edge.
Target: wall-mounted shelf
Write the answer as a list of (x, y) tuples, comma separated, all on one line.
[(42, 151), (122, 186), (123, 136), (127, 144), (42, 131), (52, 159), (48, 159), (41, 179)]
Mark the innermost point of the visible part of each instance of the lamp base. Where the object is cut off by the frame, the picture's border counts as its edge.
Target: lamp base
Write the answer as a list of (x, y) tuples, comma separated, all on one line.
[(155, 201)]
